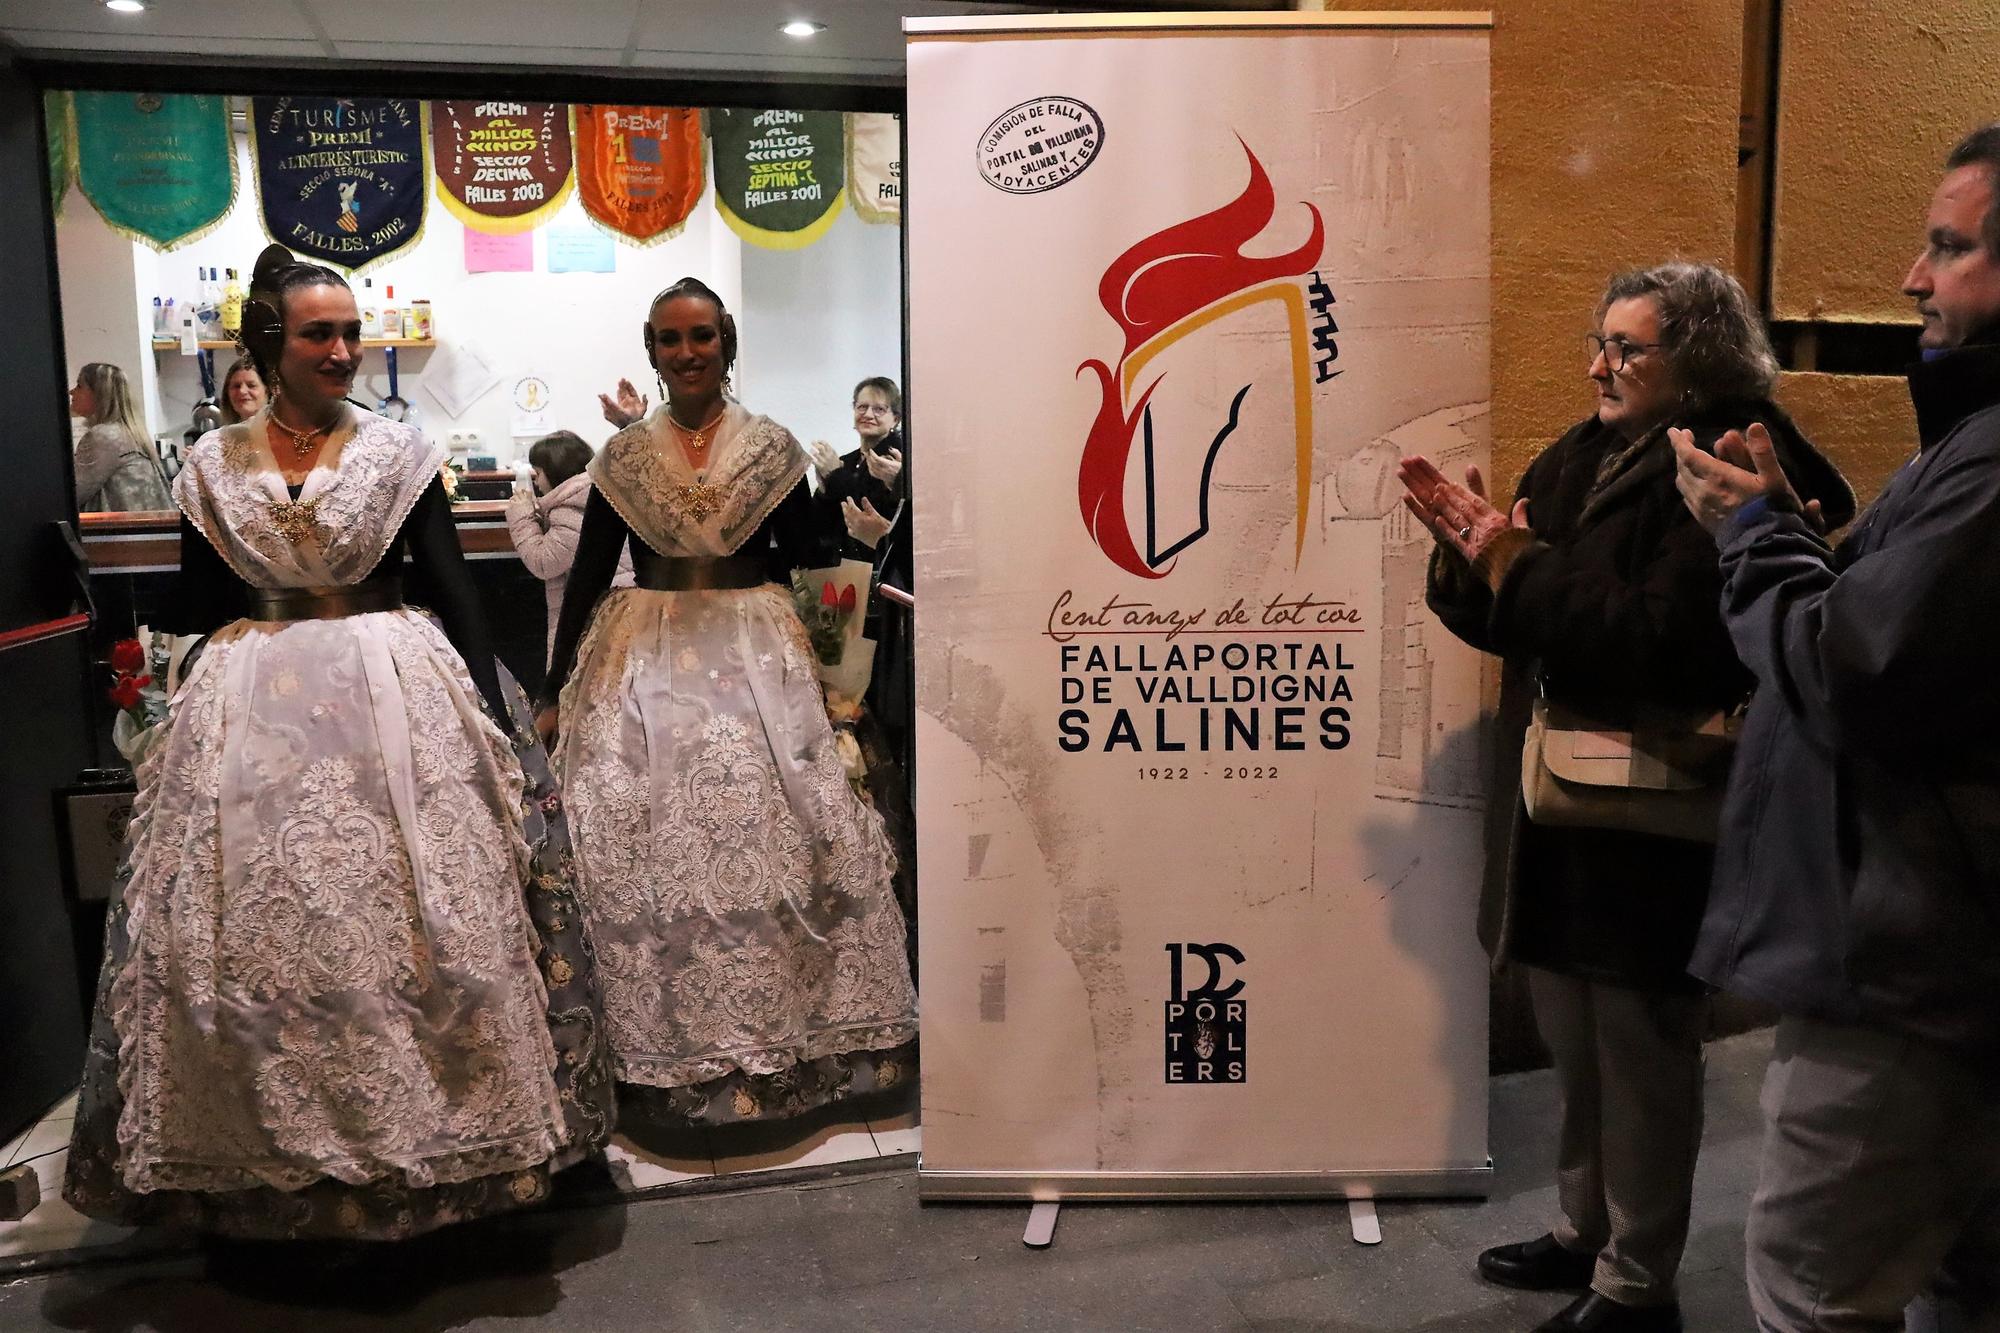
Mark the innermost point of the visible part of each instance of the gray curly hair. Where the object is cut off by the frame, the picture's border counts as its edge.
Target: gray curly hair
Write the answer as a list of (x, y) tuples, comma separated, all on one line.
[(1711, 338)]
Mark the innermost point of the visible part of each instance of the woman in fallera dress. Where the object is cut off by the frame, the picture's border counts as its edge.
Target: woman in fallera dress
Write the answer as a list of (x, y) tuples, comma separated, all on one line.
[(736, 887), (346, 993)]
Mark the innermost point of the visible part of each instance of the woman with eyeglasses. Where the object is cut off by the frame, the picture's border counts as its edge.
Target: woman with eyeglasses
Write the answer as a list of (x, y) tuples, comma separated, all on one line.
[(860, 498), (862, 512), (1598, 590)]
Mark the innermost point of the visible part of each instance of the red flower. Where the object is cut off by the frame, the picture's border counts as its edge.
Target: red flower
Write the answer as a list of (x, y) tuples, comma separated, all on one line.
[(827, 596), (125, 693), (127, 656), (847, 598)]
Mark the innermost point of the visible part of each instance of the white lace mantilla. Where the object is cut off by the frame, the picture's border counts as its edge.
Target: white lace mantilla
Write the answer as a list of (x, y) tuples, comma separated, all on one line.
[(753, 464), (370, 473), (736, 888), (332, 968)]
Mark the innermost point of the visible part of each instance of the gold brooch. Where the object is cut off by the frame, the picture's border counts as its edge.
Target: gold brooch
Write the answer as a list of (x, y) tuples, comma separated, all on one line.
[(695, 502), (295, 519)]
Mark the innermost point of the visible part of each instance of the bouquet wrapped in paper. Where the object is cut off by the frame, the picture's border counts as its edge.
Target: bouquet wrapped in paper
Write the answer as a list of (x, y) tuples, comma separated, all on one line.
[(833, 603)]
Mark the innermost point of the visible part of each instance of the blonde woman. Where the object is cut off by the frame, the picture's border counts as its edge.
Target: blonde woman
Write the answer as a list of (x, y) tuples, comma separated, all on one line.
[(117, 467), (243, 391)]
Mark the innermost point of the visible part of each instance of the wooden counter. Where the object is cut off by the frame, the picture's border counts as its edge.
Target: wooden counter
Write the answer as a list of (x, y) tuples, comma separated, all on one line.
[(149, 541)]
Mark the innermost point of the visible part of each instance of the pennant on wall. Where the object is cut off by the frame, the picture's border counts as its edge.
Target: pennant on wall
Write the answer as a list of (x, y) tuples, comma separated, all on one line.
[(638, 168), (501, 167), (340, 179), (55, 126), (875, 166), (779, 175), (160, 168)]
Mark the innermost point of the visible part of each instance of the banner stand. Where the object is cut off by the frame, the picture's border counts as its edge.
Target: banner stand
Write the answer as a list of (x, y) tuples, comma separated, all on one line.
[(1200, 831)]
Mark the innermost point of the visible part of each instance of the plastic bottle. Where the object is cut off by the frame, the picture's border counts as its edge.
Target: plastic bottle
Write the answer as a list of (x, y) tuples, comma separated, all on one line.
[(170, 320), (232, 306), (371, 318), (392, 314), (208, 315), (420, 319), (159, 317)]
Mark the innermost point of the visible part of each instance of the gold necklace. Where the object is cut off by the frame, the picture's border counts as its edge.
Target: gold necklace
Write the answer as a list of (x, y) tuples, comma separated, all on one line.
[(695, 440), (302, 440)]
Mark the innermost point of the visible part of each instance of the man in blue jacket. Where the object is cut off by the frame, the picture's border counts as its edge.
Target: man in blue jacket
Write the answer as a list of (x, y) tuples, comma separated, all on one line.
[(1857, 880)]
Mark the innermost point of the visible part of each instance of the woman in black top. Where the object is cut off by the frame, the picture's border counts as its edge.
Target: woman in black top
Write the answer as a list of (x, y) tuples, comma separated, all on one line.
[(345, 991)]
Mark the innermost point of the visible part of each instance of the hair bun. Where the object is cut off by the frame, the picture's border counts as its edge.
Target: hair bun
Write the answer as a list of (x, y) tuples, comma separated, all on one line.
[(271, 261)]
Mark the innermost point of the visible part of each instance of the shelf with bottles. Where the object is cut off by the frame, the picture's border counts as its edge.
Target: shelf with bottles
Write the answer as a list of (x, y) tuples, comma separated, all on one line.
[(228, 344)]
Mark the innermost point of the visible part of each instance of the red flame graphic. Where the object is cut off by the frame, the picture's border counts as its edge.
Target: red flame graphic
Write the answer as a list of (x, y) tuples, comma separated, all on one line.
[(1161, 280)]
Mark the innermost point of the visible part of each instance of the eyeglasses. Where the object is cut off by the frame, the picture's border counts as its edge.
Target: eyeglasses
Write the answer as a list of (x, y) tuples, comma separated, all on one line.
[(873, 410), (1617, 352)]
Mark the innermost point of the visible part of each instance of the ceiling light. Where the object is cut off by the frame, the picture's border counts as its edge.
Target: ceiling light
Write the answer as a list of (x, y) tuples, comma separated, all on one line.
[(803, 28), (126, 6)]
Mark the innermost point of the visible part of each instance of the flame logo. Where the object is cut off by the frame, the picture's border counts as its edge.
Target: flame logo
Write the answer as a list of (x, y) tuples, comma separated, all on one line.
[(1155, 291)]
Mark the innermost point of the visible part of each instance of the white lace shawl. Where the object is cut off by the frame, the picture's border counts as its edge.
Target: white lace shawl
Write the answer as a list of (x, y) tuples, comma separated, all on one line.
[(369, 475), (643, 473)]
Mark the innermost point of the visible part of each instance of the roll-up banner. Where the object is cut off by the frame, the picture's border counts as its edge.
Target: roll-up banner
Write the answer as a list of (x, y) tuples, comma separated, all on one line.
[(1201, 802), (341, 180)]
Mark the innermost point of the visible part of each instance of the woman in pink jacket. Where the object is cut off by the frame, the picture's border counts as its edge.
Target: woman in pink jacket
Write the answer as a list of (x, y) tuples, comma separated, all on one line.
[(544, 521)]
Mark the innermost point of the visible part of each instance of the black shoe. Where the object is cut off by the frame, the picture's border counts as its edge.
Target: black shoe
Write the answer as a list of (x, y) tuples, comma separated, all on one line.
[(1592, 1313), (1537, 1265)]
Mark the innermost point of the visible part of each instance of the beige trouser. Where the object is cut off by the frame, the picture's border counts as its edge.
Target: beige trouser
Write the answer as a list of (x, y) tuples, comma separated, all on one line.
[(1879, 1177), (1629, 1063)]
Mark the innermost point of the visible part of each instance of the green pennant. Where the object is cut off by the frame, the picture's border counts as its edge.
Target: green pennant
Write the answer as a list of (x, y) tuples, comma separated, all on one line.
[(55, 125), (160, 168), (780, 176)]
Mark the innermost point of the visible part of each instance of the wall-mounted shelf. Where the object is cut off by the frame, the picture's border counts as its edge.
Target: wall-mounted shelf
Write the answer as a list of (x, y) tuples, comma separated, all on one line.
[(224, 344)]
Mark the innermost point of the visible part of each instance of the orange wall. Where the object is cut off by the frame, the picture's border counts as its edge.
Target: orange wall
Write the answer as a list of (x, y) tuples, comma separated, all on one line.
[(1615, 135)]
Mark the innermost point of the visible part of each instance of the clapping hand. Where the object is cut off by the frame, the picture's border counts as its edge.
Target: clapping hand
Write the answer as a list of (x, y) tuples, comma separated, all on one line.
[(885, 466), (824, 460), (627, 408), (1460, 517), (864, 524), (1743, 468)]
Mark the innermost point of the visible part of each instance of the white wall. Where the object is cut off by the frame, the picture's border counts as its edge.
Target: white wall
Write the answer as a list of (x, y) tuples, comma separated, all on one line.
[(812, 321), (817, 321), (100, 319)]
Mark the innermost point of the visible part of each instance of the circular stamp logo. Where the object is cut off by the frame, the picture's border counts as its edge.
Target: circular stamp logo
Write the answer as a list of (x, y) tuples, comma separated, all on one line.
[(1039, 144)]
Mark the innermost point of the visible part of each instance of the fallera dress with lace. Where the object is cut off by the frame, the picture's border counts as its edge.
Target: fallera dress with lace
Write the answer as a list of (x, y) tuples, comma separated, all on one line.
[(347, 991), (736, 886)]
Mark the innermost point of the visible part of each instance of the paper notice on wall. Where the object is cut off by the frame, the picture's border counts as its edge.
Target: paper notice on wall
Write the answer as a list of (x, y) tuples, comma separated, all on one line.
[(531, 406), (457, 375), (580, 250), (487, 253)]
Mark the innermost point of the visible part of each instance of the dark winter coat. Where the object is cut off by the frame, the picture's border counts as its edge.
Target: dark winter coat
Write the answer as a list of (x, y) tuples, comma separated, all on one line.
[(1858, 875), (1616, 603)]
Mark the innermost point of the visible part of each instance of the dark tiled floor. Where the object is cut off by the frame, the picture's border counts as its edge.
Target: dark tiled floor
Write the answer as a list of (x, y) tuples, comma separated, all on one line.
[(859, 1252)]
